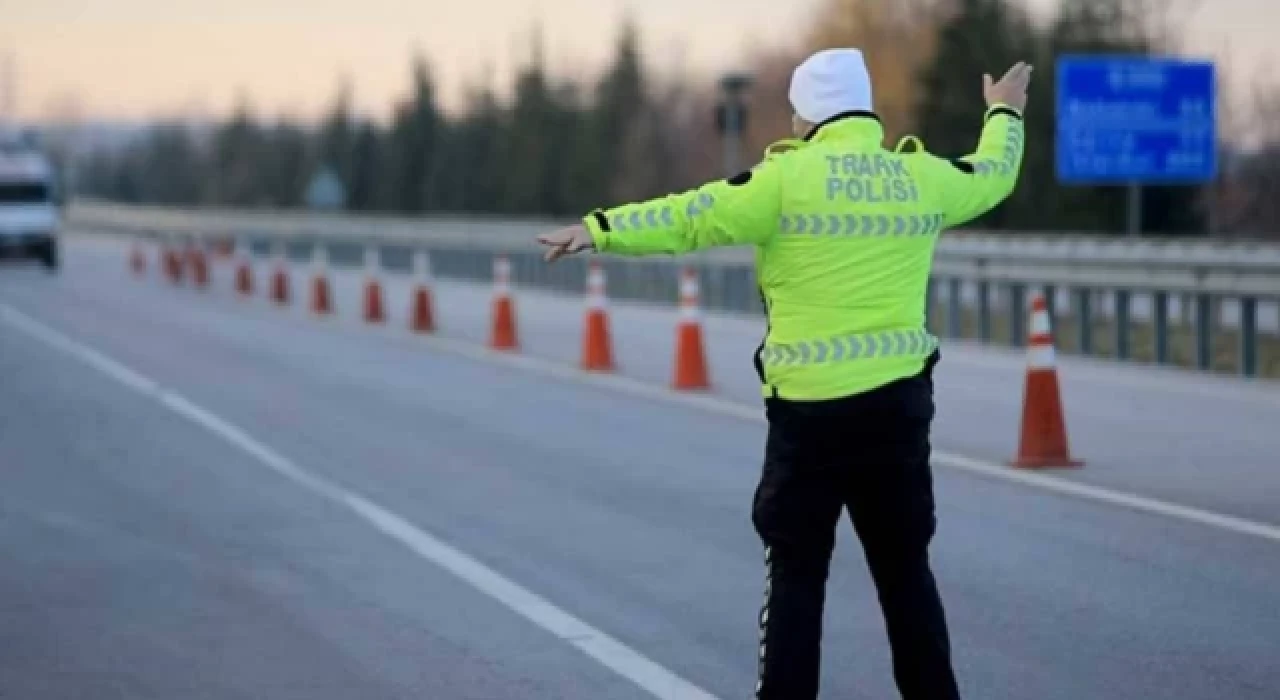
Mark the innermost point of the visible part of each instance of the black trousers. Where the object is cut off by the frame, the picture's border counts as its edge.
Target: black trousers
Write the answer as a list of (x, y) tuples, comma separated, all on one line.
[(870, 454)]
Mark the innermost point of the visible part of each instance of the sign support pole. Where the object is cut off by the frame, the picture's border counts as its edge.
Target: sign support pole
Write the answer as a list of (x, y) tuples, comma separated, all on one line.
[(1135, 209)]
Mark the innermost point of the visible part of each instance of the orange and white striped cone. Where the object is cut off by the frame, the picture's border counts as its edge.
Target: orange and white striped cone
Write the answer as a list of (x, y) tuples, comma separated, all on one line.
[(172, 263), (199, 264), (597, 346), (422, 318), (244, 274), (503, 334), (137, 259), (321, 293), (691, 359), (280, 278), (374, 311), (1043, 440)]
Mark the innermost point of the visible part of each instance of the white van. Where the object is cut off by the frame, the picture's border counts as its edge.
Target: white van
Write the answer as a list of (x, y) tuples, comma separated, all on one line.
[(30, 203)]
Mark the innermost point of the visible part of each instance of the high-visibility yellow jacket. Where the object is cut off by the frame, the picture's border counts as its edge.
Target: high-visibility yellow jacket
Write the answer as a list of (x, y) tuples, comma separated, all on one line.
[(844, 232)]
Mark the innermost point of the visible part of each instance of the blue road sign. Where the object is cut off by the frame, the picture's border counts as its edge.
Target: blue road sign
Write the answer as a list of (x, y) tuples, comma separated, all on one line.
[(1136, 120)]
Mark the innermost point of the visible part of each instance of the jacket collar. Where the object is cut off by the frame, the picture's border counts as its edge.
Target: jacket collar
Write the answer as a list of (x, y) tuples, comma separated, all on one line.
[(848, 126)]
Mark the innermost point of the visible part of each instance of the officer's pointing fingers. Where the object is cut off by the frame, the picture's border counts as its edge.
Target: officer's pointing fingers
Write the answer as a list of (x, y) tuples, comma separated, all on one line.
[(556, 252), (566, 241), (555, 244)]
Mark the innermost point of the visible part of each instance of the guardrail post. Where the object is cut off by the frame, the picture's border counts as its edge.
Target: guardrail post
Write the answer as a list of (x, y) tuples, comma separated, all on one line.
[(1161, 321), (717, 282), (955, 322), (1018, 314), (1249, 336), (1123, 349), (561, 278), (1204, 331), (750, 294), (1084, 318), (1051, 304), (984, 310)]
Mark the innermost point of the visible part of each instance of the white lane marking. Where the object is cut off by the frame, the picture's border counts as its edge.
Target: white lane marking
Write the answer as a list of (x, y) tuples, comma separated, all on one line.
[(609, 652), (1118, 498), (97, 360)]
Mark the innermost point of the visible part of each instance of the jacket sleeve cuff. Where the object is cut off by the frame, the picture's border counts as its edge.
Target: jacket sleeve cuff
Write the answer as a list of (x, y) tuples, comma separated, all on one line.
[(598, 226), (997, 109)]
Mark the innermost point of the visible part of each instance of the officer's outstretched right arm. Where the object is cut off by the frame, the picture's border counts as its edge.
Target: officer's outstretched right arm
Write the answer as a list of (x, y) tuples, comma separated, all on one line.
[(742, 210), (971, 186)]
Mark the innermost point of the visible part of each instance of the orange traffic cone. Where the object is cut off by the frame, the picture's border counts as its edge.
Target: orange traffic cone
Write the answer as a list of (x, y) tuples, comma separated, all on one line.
[(691, 360), (138, 259), (1043, 440), (280, 285), (503, 334), (421, 315), (321, 297), (280, 279), (172, 264), (199, 264), (373, 311), (597, 348), (244, 276)]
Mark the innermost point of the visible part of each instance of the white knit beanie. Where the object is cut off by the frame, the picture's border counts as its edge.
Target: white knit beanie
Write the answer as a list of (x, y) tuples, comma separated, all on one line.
[(829, 83)]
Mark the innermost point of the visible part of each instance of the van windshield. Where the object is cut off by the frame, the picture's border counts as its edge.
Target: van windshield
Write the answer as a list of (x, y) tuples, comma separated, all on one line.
[(23, 193)]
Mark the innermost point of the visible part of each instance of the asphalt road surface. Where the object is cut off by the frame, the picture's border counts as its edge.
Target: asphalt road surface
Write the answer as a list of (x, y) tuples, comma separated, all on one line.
[(205, 497)]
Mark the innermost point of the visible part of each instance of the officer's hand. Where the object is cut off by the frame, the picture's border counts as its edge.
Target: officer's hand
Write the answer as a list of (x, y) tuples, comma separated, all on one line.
[(1012, 88), (566, 241)]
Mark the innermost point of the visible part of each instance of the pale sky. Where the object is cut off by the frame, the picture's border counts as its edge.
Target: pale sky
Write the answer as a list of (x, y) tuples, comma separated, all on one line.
[(143, 58)]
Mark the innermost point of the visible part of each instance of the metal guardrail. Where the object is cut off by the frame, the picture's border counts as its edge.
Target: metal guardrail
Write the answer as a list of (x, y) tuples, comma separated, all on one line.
[(1206, 305)]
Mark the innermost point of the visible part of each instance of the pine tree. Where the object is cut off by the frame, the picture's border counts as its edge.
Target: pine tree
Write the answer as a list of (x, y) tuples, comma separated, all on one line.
[(413, 146), (236, 148), (619, 109), (170, 165), (530, 158), (365, 169), (476, 157), (337, 138), (286, 167)]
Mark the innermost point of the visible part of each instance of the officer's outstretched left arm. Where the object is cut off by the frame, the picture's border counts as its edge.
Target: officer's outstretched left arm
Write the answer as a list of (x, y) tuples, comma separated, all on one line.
[(742, 210)]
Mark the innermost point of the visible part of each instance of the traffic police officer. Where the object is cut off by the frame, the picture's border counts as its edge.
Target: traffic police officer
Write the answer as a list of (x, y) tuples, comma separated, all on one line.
[(844, 233)]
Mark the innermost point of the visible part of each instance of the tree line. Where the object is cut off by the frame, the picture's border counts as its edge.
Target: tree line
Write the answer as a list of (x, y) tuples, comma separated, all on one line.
[(559, 148)]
